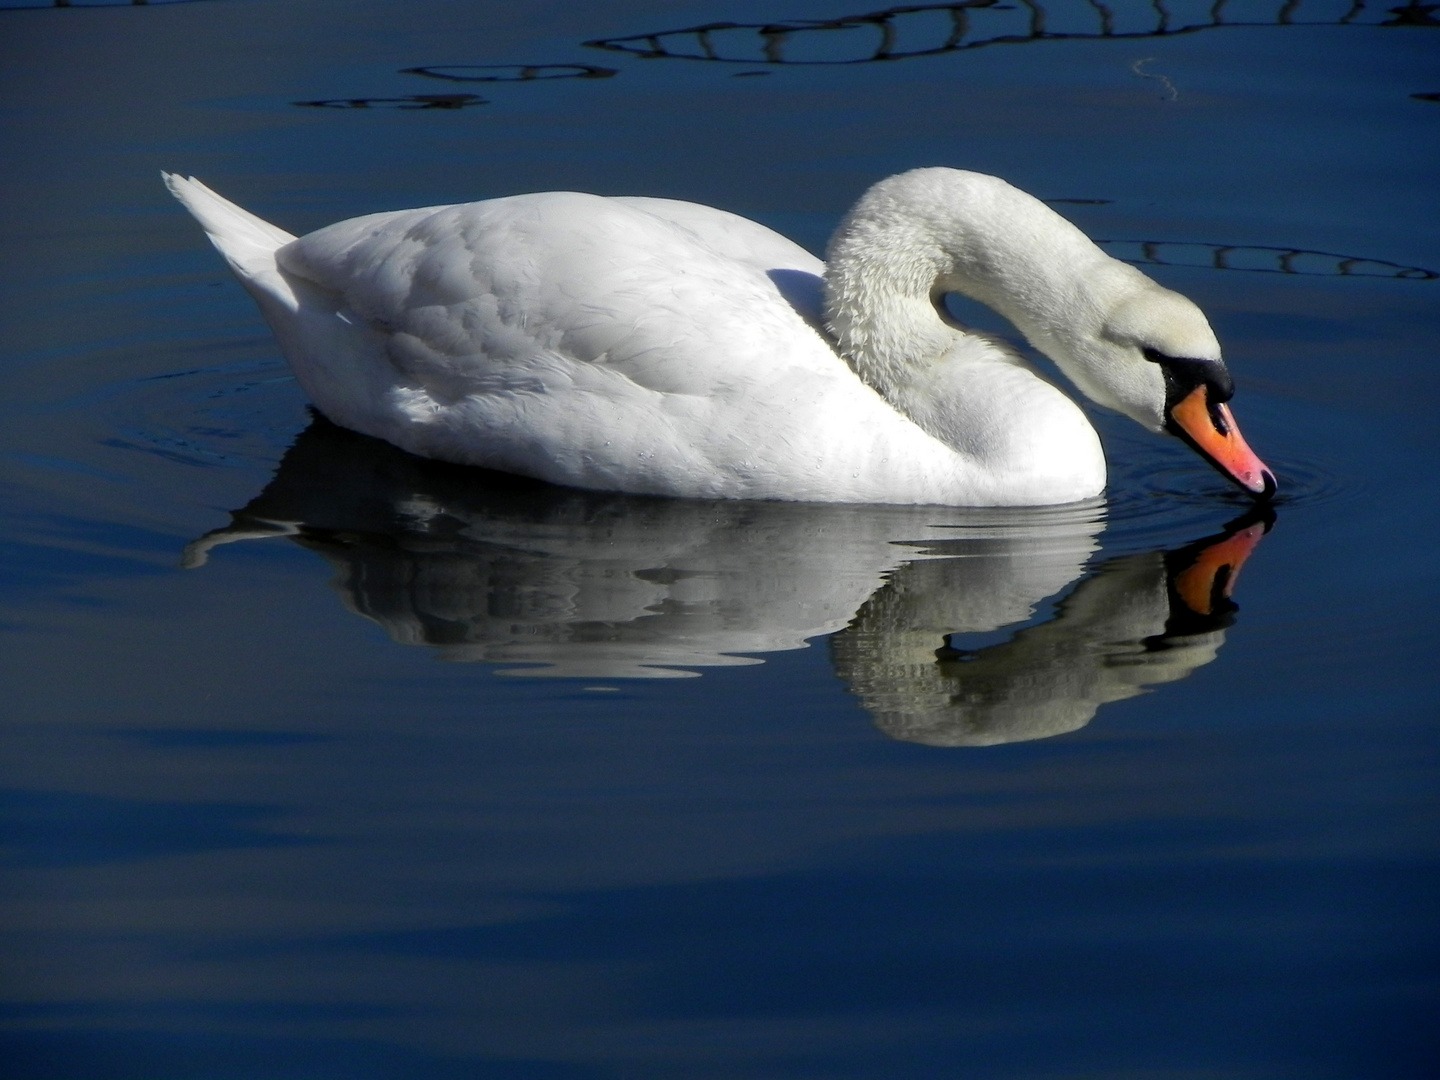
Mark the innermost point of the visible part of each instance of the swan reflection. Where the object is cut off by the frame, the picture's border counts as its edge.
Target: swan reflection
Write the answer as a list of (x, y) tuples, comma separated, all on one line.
[(1137, 621), (558, 582)]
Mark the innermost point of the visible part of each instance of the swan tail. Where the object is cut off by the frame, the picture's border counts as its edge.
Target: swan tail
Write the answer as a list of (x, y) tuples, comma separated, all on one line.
[(339, 359), (247, 242)]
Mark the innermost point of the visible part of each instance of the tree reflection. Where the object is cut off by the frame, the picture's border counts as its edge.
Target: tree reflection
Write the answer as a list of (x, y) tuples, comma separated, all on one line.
[(1259, 259), (900, 33), (411, 101), (28, 5), (556, 582), (509, 72)]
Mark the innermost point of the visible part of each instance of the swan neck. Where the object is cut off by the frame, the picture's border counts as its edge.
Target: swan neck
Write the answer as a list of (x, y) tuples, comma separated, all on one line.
[(914, 237)]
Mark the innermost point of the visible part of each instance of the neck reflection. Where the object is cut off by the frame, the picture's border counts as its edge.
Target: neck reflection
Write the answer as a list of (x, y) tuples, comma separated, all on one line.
[(1134, 622)]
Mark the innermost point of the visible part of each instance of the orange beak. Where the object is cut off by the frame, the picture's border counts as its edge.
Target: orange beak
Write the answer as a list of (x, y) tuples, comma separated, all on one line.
[(1211, 430)]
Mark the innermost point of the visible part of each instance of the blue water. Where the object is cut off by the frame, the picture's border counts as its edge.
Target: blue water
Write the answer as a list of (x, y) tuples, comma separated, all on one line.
[(320, 761)]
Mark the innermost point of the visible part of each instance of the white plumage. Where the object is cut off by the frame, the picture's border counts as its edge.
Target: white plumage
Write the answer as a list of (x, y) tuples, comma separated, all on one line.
[(660, 347)]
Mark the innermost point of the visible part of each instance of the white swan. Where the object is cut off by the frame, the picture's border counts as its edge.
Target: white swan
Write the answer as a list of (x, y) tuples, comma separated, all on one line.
[(661, 347)]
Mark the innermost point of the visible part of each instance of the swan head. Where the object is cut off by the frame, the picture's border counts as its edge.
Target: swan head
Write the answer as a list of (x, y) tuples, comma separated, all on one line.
[(1155, 358), (1121, 364)]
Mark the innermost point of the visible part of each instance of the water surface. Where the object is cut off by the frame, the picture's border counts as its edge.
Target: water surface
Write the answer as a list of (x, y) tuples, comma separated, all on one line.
[(323, 761)]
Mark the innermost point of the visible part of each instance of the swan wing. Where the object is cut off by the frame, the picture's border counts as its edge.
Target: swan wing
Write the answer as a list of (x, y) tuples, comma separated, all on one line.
[(594, 342), (564, 275)]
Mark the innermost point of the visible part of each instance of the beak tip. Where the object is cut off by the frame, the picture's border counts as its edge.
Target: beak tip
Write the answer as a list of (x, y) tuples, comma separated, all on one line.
[(1268, 486)]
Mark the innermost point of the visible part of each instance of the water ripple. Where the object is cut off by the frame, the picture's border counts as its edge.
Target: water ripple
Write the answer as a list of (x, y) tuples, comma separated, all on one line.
[(222, 416)]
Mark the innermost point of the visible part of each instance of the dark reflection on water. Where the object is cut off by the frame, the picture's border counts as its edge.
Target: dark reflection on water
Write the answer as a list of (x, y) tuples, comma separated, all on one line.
[(484, 567), (466, 73), (509, 72), (30, 5), (412, 101), (1265, 260), (928, 30)]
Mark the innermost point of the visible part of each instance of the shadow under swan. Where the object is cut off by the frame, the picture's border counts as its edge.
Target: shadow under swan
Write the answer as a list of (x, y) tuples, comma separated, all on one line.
[(486, 567)]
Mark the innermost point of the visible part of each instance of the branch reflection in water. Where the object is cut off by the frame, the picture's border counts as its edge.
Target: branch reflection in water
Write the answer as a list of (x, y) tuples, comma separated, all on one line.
[(486, 567), (900, 33)]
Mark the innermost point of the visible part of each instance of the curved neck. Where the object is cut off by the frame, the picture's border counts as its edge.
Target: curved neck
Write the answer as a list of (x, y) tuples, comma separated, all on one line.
[(916, 236), (879, 279)]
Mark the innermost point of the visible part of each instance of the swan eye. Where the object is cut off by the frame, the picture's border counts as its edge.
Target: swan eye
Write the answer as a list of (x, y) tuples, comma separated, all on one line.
[(1183, 374)]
